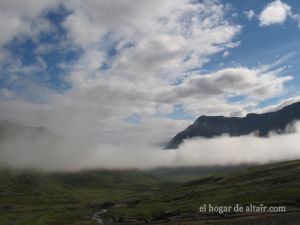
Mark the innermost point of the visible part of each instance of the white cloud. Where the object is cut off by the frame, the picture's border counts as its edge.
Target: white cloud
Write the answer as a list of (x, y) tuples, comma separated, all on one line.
[(239, 150), (252, 83), (157, 42), (214, 90), (72, 154), (250, 14), (23, 17), (165, 36), (280, 105), (275, 12), (225, 54)]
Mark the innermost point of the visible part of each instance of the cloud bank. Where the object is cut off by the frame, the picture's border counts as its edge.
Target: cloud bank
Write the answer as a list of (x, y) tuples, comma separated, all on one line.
[(51, 154)]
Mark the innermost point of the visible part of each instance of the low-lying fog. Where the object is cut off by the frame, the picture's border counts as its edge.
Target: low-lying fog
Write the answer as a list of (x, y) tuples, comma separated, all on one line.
[(71, 152)]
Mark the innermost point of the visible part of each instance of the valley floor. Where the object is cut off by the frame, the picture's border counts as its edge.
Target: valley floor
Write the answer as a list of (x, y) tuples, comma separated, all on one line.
[(139, 197)]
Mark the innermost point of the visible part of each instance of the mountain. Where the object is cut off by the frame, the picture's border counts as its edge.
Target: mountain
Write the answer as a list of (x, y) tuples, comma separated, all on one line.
[(261, 124), (10, 129)]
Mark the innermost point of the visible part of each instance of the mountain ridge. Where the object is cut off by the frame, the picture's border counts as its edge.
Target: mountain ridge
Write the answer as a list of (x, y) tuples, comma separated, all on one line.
[(262, 124)]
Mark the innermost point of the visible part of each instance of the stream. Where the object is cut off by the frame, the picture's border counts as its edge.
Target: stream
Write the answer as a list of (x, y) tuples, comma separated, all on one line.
[(97, 216)]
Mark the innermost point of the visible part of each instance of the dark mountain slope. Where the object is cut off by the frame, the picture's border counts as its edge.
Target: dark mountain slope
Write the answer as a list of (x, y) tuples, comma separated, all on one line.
[(262, 124), (10, 130)]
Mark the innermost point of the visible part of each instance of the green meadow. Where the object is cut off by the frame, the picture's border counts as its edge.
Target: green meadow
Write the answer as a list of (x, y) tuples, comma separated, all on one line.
[(135, 197)]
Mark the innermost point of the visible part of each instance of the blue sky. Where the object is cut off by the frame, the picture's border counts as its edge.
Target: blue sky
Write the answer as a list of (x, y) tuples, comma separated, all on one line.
[(265, 45), (157, 65), (262, 45)]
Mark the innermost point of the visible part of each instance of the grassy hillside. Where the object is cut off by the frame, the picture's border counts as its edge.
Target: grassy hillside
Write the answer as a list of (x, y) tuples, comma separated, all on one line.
[(272, 185), (183, 174), (72, 198), (39, 198)]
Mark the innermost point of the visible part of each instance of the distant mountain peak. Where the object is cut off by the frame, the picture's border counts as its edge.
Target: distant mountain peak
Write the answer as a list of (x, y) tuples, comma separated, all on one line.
[(262, 124)]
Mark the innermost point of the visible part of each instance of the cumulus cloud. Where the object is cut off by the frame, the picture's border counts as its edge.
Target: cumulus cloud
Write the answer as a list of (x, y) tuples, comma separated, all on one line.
[(234, 81), (23, 17), (275, 12), (155, 44), (252, 85), (153, 37)]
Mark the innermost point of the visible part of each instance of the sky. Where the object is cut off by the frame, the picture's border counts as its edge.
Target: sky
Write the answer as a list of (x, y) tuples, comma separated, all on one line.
[(119, 71)]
